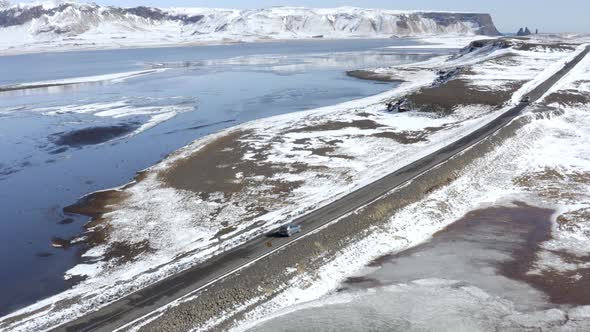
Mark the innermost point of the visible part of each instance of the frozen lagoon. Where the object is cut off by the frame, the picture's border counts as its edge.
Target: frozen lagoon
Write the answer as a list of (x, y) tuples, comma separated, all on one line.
[(61, 142)]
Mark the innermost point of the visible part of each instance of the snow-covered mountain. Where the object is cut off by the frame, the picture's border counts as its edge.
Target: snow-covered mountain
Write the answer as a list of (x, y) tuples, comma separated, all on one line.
[(65, 24)]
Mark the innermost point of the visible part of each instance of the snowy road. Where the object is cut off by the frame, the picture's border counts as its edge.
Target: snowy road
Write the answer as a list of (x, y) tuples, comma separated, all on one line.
[(152, 300)]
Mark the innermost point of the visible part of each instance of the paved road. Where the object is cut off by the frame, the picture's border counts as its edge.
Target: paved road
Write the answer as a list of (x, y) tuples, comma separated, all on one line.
[(143, 302)]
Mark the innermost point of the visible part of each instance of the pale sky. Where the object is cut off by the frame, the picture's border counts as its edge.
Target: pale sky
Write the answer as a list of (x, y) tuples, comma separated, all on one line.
[(509, 15)]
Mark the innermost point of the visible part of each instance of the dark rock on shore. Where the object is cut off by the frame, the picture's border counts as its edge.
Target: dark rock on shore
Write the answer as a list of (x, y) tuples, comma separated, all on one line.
[(524, 32)]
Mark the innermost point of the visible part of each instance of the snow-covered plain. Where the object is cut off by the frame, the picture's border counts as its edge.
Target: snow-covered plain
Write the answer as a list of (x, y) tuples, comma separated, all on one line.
[(162, 215), (519, 169), (59, 26)]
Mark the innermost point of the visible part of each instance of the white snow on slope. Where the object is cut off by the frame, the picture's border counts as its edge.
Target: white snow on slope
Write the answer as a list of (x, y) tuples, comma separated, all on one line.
[(75, 26)]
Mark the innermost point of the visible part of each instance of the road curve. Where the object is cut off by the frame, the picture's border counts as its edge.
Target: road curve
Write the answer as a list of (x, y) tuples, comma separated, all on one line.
[(146, 301)]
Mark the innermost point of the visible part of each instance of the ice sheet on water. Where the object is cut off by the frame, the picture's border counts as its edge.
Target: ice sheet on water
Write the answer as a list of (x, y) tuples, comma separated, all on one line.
[(150, 111), (115, 78)]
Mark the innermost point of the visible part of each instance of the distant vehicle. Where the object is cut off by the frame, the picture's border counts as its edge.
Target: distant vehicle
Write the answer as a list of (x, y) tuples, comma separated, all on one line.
[(289, 229), (526, 99)]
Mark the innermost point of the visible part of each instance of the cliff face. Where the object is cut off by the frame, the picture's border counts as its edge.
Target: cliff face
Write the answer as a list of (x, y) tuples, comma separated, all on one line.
[(91, 23), (483, 22)]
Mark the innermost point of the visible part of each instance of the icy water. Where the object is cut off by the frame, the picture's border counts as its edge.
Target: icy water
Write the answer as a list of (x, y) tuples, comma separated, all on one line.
[(59, 143), (464, 279)]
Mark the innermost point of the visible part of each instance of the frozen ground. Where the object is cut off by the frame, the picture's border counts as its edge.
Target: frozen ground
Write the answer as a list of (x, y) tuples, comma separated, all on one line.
[(422, 305), (272, 170), (546, 163)]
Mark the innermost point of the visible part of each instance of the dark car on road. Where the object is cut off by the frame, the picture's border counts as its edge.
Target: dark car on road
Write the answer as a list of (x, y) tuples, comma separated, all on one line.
[(526, 99), (289, 229)]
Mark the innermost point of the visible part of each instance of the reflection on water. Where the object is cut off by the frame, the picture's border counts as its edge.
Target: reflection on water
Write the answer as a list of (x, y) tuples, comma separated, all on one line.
[(454, 282), (286, 65), (126, 126), (51, 66), (48, 89)]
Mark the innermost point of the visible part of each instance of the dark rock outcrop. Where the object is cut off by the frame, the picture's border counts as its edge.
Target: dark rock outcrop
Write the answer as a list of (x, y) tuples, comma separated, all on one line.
[(500, 43), (484, 21), (524, 32)]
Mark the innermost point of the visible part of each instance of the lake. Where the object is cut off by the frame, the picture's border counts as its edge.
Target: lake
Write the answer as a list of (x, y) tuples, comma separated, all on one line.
[(62, 141)]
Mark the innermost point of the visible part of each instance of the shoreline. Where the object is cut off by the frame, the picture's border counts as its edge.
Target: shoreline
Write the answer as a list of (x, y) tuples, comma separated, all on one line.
[(533, 226), (41, 305), (369, 75), (189, 147), (449, 41)]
